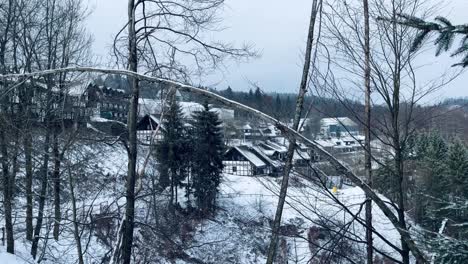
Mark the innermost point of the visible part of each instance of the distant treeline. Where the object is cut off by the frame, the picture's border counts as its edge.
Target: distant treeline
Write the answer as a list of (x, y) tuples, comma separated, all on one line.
[(449, 118)]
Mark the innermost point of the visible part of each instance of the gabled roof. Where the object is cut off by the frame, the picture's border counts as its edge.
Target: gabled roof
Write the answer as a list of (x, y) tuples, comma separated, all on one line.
[(264, 156), (276, 147), (249, 155), (149, 118)]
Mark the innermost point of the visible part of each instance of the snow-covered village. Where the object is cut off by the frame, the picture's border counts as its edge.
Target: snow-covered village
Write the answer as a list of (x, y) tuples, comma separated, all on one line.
[(233, 131)]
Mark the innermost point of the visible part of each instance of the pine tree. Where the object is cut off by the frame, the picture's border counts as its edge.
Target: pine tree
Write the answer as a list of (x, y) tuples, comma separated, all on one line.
[(457, 164), (173, 150), (278, 106), (258, 99), (433, 165), (457, 174), (207, 159), (229, 93)]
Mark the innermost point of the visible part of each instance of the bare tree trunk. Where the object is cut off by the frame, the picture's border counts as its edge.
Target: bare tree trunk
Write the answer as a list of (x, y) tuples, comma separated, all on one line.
[(7, 196), (292, 140), (76, 230), (127, 240), (7, 192), (29, 182), (42, 195), (56, 179), (367, 132), (405, 250)]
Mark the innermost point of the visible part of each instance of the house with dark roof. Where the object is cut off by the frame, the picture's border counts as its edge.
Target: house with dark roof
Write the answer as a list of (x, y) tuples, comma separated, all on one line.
[(149, 130)]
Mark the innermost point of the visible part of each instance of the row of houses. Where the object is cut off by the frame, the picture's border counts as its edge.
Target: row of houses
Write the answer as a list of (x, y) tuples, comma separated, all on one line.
[(265, 158), (242, 157), (253, 148)]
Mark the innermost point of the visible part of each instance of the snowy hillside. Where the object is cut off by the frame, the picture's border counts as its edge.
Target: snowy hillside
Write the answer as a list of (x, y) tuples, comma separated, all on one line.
[(241, 230), (238, 233)]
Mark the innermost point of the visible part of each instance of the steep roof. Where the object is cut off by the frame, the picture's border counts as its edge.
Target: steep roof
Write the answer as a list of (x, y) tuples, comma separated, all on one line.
[(277, 147), (250, 156), (261, 152), (141, 125)]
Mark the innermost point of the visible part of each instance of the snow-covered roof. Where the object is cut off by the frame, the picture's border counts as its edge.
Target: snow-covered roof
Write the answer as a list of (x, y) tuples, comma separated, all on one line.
[(276, 146), (189, 108), (352, 138), (250, 156), (273, 131), (223, 113), (325, 143), (246, 126), (165, 91), (149, 106), (265, 149), (78, 88), (337, 121), (264, 155), (301, 155)]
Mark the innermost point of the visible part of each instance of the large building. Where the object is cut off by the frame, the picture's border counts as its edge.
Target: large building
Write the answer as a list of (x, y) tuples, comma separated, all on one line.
[(337, 127)]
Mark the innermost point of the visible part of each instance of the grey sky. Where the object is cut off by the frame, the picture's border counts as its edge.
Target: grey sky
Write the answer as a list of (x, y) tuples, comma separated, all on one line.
[(278, 31)]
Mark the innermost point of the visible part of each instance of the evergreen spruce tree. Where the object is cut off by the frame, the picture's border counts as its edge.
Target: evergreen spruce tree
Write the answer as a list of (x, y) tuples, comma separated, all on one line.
[(172, 151), (258, 99), (229, 93), (434, 183), (456, 205), (207, 159), (278, 106), (457, 164)]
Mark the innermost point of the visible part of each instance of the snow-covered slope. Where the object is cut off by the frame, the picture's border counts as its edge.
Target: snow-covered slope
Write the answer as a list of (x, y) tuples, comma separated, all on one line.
[(240, 231)]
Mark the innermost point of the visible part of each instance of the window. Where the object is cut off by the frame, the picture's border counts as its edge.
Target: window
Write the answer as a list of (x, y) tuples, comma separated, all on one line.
[(234, 169)]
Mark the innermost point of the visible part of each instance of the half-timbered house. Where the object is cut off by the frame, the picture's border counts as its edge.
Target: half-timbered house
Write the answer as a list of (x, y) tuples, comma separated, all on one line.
[(243, 161), (149, 130)]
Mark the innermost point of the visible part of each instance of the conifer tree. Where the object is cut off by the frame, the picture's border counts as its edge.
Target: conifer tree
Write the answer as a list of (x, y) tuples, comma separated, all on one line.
[(434, 182), (172, 151), (457, 164), (207, 159), (278, 106)]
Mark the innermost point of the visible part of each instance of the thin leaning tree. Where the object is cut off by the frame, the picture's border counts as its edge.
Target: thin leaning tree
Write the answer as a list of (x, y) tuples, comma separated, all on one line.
[(304, 86)]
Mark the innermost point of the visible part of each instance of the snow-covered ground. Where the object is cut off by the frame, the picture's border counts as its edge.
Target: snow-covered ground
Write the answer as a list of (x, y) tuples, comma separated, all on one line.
[(238, 233), (241, 228), (6, 258)]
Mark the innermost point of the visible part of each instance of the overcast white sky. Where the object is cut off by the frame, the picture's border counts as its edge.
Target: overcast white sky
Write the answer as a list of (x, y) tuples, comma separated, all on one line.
[(278, 30)]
